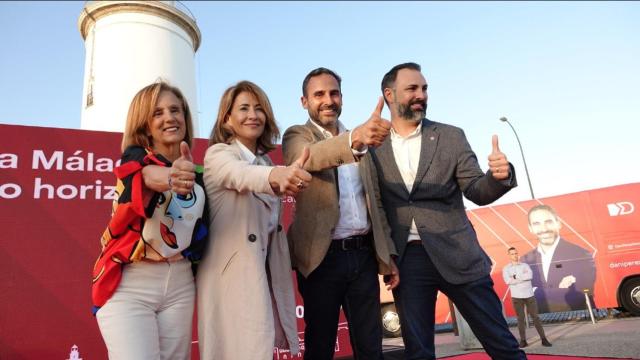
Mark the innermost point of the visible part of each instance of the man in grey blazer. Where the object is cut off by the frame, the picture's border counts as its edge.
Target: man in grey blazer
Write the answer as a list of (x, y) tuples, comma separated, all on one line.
[(338, 243), (423, 169)]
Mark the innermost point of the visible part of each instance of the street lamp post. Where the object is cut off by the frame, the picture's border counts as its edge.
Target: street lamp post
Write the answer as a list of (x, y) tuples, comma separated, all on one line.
[(504, 119)]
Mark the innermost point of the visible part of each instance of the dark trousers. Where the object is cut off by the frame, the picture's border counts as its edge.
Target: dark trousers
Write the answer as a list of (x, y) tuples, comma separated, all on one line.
[(478, 303), (347, 278), (532, 309)]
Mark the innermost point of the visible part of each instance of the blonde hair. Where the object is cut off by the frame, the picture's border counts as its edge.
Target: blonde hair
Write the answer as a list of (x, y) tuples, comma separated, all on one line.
[(141, 113), (224, 134)]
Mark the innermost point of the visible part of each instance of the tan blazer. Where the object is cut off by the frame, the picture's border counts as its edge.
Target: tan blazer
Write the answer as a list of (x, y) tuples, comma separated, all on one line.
[(245, 266), (317, 209)]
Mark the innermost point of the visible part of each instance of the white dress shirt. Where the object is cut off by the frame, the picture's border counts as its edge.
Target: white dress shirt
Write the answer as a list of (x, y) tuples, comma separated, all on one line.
[(546, 257), (406, 151), (518, 277), (353, 219), (273, 201)]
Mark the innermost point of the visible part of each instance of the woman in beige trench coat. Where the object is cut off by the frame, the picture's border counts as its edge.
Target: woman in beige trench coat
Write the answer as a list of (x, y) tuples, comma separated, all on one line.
[(245, 295)]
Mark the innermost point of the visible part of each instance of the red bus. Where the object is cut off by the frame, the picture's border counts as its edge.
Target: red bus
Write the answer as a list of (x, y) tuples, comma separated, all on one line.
[(604, 222)]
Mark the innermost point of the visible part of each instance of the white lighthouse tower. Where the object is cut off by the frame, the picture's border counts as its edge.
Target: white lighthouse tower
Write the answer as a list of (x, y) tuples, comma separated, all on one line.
[(131, 44)]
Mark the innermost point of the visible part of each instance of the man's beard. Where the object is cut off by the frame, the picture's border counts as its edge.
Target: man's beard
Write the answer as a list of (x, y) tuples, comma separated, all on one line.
[(315, 115), (414, 116)]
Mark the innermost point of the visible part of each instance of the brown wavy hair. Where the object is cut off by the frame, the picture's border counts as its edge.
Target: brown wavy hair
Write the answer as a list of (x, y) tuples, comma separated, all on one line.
[(221, 133), (141, 113)]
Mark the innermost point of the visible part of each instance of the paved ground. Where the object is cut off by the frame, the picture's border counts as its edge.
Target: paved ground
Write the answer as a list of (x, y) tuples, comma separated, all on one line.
[(615, 335)]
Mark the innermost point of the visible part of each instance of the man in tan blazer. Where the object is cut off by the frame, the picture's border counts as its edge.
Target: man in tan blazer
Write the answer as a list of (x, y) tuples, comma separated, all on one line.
[(339, 240)]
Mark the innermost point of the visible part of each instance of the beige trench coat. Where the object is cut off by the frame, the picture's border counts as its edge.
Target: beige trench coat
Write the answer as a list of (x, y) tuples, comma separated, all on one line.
[(235, 292)]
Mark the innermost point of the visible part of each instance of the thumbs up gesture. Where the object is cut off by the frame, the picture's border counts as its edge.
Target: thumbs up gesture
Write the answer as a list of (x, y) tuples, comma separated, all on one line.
[(182, 174), (498, 163), (292, 179), (185, 152), (304, 157), (373, 131)]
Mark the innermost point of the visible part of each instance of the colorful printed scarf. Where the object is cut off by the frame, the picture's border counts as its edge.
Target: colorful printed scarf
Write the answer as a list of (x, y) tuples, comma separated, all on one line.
[(122, 242)]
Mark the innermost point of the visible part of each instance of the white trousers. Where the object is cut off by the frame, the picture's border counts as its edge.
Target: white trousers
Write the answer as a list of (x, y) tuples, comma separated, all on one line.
[(150, 315)]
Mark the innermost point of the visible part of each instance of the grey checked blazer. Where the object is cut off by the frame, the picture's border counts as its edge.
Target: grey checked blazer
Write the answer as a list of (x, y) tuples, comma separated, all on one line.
[(448, 169)]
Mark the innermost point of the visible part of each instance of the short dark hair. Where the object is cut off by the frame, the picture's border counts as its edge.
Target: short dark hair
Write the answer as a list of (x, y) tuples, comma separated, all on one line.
[(317, 72), (389, 79), (542, 207), (511, 248)]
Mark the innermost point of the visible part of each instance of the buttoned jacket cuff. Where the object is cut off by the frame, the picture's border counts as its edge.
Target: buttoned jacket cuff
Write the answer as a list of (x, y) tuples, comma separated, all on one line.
[(357, 153), (508, 181)]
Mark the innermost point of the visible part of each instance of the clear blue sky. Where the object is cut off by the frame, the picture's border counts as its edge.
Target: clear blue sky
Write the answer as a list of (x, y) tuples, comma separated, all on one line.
[(566, 74)]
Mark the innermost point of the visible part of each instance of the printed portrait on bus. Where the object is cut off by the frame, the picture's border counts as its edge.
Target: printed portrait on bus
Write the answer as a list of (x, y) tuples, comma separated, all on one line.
[(562, 270)]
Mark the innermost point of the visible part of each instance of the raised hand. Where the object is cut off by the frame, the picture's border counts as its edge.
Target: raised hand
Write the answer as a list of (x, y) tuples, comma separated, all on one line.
[(373, 131), (182, 174), (292, 179), (498, 163)]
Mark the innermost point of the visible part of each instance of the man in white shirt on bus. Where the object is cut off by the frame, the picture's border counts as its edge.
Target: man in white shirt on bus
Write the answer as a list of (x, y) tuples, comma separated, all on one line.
[(562, 270), (518, 276)]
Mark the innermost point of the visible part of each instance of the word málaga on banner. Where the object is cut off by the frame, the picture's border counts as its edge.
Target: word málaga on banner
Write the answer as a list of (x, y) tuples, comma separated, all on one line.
[(73, 163), (58, 161)]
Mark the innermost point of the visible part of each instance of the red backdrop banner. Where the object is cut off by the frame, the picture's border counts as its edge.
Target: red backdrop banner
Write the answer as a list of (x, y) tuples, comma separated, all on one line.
[(56, 188)]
